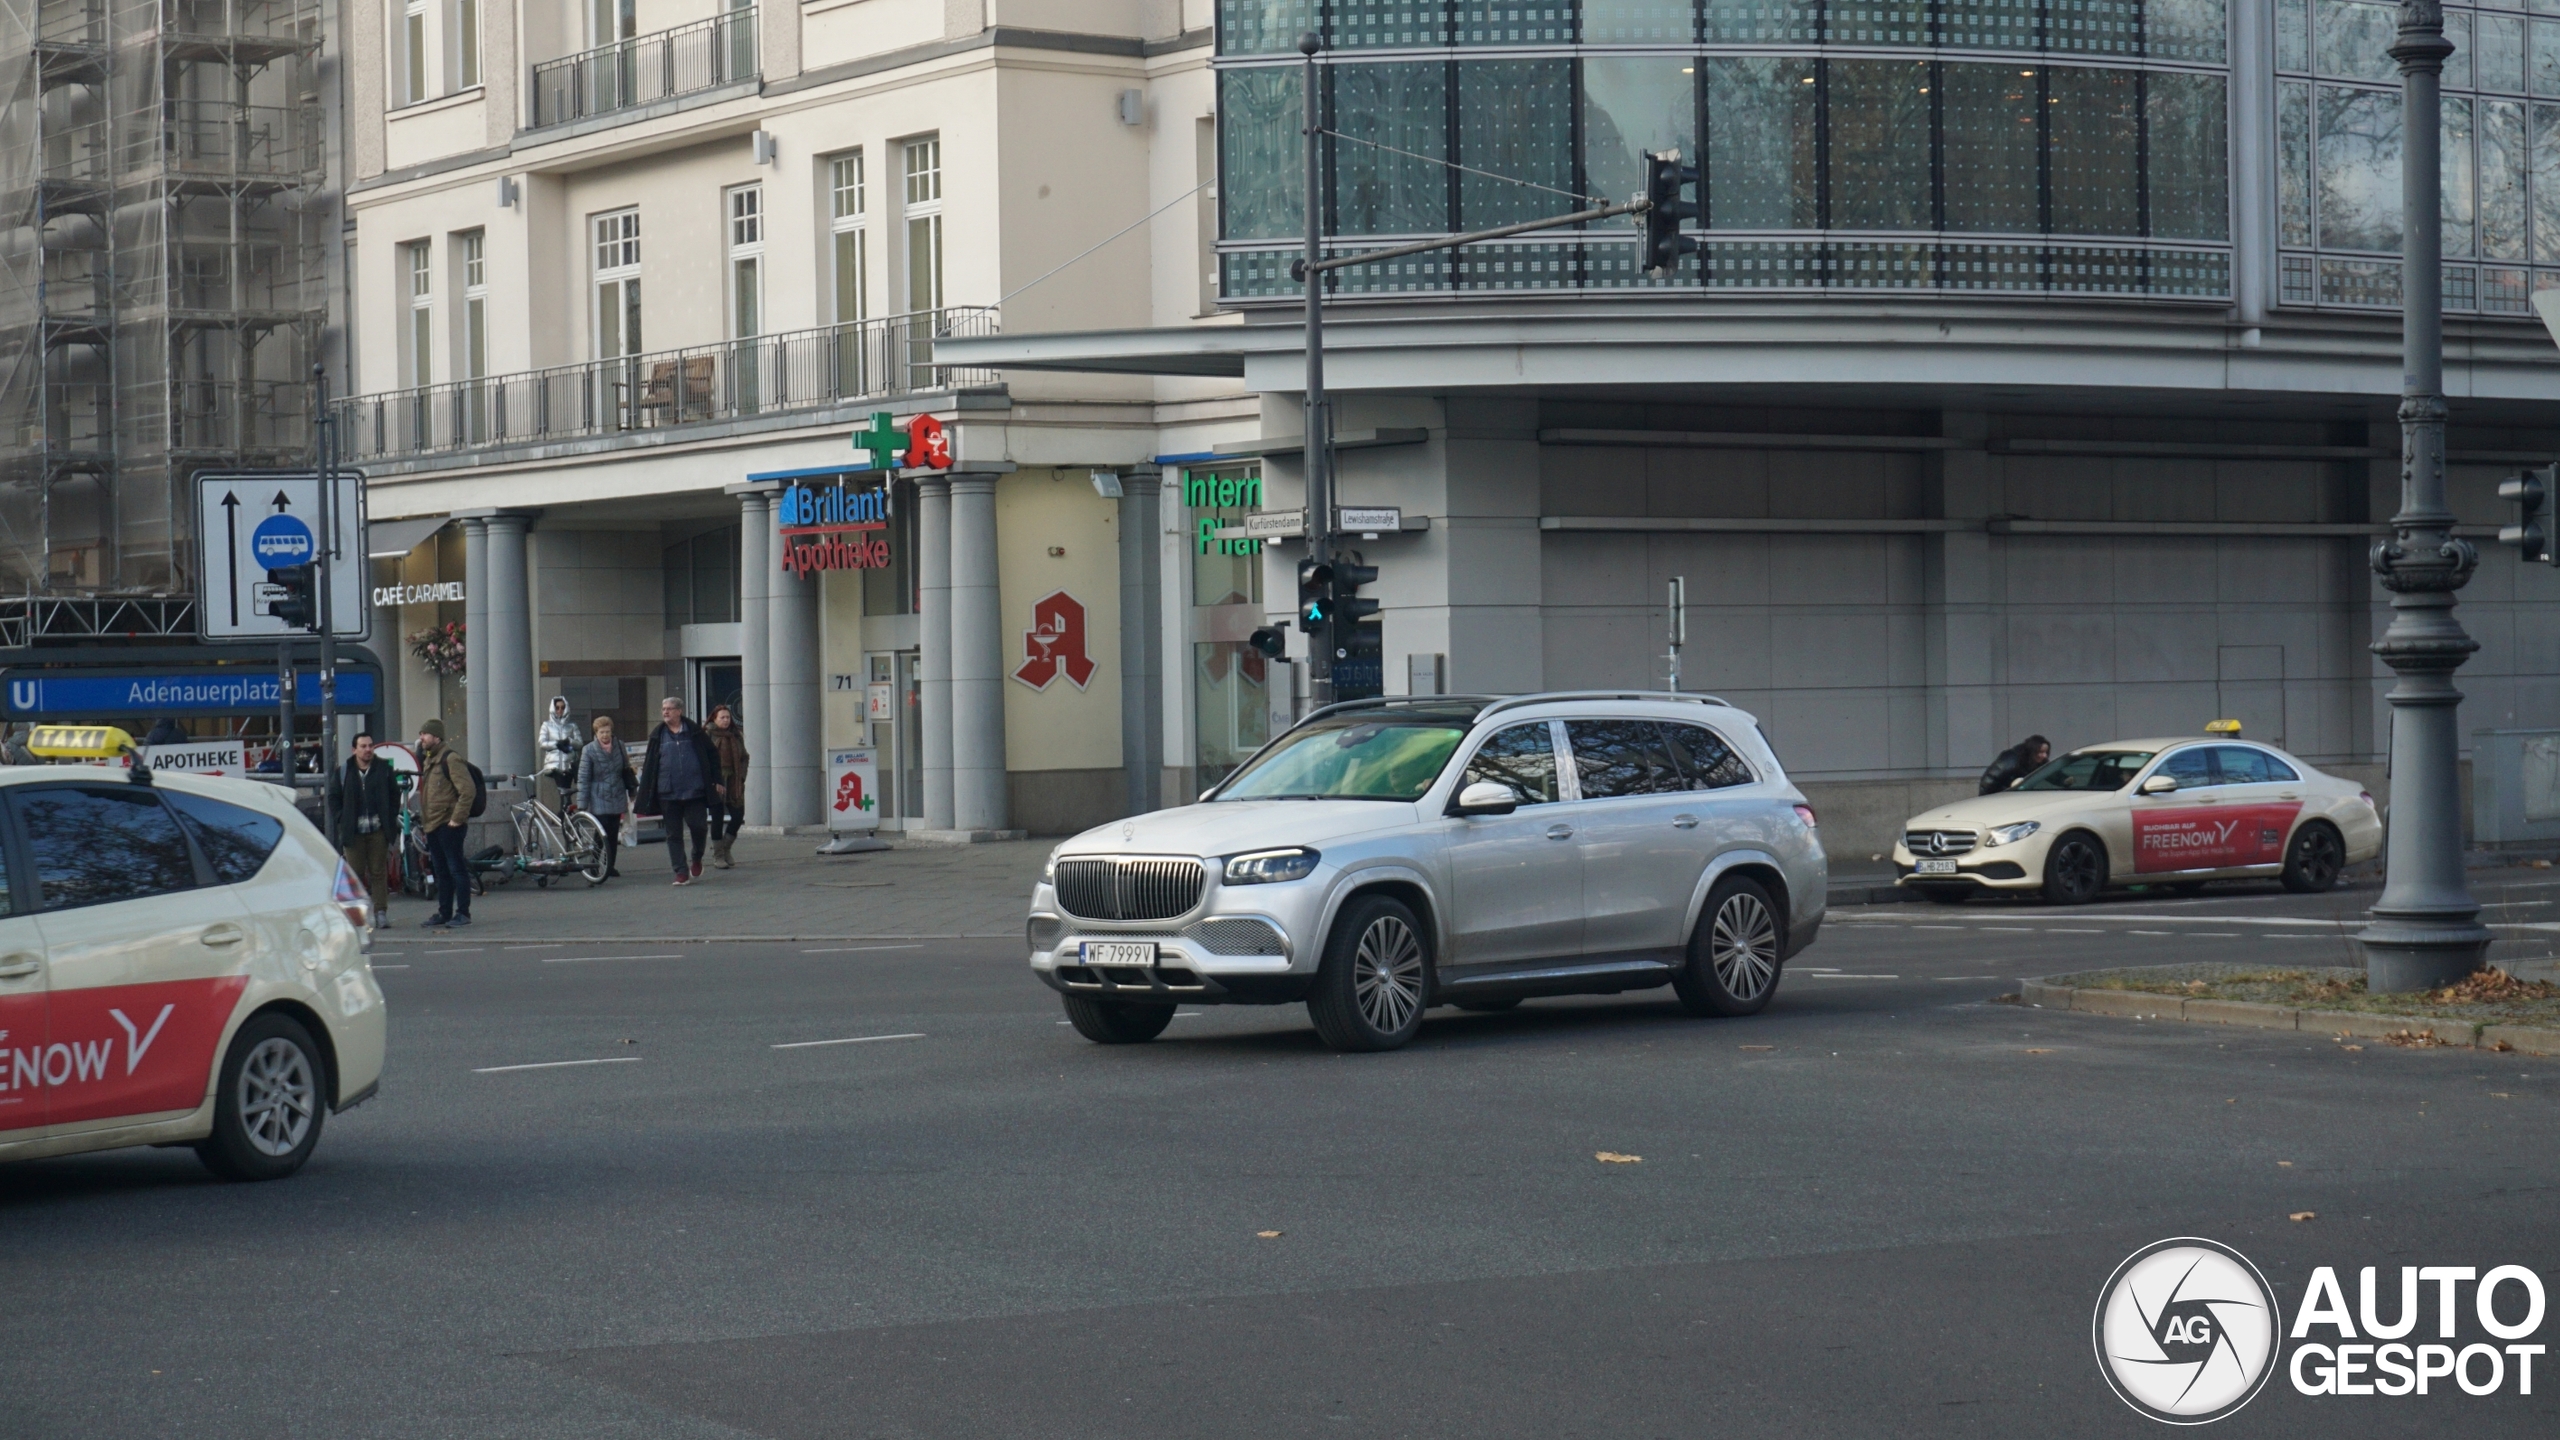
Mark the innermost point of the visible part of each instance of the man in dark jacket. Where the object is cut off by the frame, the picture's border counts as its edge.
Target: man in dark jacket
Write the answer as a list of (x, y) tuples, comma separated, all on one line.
[(165, 732), (368, 817), (2016, 763), (678, 782)]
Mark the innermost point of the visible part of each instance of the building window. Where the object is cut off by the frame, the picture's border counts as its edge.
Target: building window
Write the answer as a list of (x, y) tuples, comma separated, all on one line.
[(418, 286), (746, 260), (847, 203), (411, 53), (2338, 148), (617, 279), (475, 302), (923, 166), (462, 44), (701, 574)]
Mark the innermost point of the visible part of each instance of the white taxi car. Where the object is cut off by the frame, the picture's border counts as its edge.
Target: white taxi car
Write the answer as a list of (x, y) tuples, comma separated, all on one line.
[(2174, 812), (182, 962)]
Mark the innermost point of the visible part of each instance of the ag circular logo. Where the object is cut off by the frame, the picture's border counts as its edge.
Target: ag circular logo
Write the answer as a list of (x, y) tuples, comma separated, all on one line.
[(281, 540), (2187, 1331)]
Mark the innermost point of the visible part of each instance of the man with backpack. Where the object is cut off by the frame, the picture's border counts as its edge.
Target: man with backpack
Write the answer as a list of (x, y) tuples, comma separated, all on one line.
[(450, 792)]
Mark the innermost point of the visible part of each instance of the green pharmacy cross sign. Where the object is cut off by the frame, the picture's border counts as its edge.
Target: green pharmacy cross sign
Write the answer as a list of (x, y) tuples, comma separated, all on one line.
[(883, 442)]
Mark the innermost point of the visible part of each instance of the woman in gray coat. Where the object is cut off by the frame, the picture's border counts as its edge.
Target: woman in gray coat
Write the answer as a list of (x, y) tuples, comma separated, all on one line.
[(604, 785)]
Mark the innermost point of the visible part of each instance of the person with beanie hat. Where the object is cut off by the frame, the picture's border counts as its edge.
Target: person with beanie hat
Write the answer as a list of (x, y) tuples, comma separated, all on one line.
[(446, 793)]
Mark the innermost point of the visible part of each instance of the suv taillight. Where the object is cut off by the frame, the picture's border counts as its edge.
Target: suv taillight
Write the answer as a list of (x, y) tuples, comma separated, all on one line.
[(352, 899), (1805, 813)]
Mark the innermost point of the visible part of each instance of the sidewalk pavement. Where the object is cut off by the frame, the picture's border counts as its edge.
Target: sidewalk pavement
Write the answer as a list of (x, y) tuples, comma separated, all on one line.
[(779, 891)]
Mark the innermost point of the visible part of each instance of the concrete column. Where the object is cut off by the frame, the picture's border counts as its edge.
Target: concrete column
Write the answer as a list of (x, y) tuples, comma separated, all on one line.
[(1961, 672), (1142, 640), (755, 588), (978, 800), (512, 718), (933, 624), (795, 754), (2253, 154), (476, 674)]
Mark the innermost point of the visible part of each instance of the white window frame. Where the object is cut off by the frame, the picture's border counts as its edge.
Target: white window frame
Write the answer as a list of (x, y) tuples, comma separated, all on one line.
[(412, 70), (743, 222), (418, 315), (614, 258), (461, 45), (849, 237), (920, 237), (471, 262)]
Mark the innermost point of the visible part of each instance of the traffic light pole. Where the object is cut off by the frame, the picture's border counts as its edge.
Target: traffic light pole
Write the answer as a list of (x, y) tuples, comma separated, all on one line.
[(327, 432), (1319, 421)]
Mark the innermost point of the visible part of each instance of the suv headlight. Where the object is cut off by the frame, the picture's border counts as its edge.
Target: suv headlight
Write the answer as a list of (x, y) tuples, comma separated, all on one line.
[(2010, 834), (1049, 869), (1269, 867)]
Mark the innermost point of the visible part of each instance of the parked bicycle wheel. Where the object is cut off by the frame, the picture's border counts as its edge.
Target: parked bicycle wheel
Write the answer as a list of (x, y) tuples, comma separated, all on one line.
[(417, 874), (586, 846)]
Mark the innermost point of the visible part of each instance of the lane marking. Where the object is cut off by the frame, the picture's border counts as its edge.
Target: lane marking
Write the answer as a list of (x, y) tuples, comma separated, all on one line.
[(557, 1064), (553, 946), (2231, 935), (1937, 927), (856, 949), (854, 1040), (1992, 929), (583, 959), (2080, 932), (1969, 977), (2163, 934)]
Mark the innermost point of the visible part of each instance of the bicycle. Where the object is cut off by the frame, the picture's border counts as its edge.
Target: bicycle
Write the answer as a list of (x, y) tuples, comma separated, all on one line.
[(549, 843)]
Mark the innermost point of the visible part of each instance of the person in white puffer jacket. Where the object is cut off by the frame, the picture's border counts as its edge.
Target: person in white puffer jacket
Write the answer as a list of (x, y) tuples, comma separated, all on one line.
[(557, 745)]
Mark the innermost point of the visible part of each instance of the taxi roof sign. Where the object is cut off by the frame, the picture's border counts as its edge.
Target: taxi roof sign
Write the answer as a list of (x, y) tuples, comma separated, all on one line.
[(2223, 727), (80, 742)]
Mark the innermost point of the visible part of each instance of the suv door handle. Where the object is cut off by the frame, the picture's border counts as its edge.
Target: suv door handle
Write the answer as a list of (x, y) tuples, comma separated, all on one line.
[(224, 935), (1559, 831), (18, 966), (1684, 822)]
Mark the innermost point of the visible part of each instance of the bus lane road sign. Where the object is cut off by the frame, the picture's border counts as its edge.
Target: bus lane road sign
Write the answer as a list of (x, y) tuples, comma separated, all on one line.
[(252, 522)]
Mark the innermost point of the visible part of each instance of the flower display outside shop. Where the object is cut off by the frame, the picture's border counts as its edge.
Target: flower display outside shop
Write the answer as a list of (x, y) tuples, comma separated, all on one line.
[(442, 649)]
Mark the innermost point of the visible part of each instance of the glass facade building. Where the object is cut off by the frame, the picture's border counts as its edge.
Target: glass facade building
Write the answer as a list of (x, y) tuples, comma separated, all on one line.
[(2021, 146)]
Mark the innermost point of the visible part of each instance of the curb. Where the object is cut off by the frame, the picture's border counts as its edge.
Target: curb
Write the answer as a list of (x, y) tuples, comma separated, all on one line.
[(2138, 1005)]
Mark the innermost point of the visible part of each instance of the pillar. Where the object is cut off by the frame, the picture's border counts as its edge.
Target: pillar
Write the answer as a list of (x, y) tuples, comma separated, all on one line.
[(475, 641), (755, 589), (510, 648), (1958, 598), (795, 754), (978, 800), (1142, 640), (933, 626)]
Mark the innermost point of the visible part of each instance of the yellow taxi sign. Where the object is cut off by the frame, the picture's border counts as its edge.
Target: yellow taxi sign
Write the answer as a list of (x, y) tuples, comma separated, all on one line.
[(2223, 727), (79, 742)]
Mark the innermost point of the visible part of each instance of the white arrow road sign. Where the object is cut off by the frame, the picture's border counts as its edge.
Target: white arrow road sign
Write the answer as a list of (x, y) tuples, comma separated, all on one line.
[(250, 521)]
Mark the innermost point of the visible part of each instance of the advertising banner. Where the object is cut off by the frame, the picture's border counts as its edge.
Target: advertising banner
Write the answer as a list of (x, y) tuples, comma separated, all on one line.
[(210, 757), (2210, 837), (853, 790)]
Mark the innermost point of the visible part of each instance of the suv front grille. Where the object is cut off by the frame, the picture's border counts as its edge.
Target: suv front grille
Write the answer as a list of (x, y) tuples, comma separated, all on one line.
[(1938, 842), (1129, 889)]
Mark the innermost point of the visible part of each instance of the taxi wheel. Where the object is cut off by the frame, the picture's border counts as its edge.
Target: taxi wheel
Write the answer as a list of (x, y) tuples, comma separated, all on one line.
[(1376, 978), (2075, 871), (267, 1106), (2312, 862), (1734, 957), (1110, 1022)]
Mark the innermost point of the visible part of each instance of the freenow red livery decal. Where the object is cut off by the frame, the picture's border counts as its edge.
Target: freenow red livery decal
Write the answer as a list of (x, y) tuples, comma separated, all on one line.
[(21, 1025), (121, 1049), (2211, 837)]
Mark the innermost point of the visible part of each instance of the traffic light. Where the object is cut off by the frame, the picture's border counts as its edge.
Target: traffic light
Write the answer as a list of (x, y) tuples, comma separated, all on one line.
[(2531, 491), (1664, 178), (1359, 657), (299, 604), (1348, 606), (1315, 596), (1272, 641)]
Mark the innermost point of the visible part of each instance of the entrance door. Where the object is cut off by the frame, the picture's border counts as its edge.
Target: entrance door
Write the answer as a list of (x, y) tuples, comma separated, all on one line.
[(717, 682), (893, 707)]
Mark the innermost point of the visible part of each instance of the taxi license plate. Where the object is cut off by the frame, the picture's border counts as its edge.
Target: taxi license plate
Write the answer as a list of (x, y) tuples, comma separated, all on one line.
[(1933, 867), (1119, 952)]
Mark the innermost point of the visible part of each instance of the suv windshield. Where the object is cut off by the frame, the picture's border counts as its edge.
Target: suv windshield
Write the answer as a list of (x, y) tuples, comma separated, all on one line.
[(1350, 757), (2089, 770)]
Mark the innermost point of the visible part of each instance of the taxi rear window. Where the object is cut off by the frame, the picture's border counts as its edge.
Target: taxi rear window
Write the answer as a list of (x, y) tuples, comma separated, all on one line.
[(235, 839)]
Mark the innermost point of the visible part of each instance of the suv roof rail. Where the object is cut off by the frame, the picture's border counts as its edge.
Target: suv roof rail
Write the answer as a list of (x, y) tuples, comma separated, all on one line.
[(1382, 702), (1689, 697)]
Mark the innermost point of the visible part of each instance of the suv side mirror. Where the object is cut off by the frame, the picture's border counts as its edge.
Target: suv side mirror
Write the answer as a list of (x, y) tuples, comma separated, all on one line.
[(2159, 784), (1487, 797)]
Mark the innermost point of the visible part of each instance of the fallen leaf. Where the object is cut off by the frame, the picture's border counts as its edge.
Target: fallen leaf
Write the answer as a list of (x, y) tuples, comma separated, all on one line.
[(1759, 1047), (2350, 1047), (2301, 1215), (1612, 1157), (2494, 1094), (2039, 1052), (1267, 1234), (2234, 1100), (2287, 1164)]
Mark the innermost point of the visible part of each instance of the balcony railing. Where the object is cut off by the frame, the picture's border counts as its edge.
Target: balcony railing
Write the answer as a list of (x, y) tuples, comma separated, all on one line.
[(670, 389), (646, 68)]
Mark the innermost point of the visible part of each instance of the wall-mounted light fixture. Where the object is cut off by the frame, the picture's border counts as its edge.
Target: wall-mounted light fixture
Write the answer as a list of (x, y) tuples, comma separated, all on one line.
[(762, 143), (508, 192)]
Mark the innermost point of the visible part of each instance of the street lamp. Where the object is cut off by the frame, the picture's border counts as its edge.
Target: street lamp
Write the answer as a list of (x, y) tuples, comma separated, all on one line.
[(2425, 929)]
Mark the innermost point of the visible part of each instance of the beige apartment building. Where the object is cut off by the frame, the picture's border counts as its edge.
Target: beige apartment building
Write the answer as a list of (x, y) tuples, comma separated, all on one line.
[(624, 276)]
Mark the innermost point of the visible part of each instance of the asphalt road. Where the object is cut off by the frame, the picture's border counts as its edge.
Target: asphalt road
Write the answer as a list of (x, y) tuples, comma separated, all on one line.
[(1885, 1207)]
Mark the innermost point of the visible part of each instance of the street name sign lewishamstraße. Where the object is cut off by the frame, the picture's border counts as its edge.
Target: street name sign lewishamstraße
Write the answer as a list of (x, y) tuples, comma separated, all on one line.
[(252, 522)]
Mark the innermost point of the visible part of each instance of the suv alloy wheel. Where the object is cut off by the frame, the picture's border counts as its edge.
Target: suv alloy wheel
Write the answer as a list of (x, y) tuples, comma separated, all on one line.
[(1733, 962), (1376, 978)]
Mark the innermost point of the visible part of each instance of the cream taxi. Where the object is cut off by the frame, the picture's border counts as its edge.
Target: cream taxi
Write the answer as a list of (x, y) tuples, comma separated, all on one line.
[(182, 962), (2175, 812)]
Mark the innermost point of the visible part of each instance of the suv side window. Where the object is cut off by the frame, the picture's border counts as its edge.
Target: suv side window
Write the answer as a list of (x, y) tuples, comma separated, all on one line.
[(1522, 757), (95, 846), (1622, 757), (1705, 759), (2192, 768), (235, 839), (2242, 765)]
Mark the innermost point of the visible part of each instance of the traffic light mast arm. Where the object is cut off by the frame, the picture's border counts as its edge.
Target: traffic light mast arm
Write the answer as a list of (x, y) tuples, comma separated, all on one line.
[(1445, 242)]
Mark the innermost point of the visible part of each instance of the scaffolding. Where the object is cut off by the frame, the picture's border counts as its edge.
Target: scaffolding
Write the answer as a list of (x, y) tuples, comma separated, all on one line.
[(162, 285)]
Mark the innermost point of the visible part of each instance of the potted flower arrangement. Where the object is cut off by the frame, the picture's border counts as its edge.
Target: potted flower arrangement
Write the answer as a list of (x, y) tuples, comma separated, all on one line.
[(441, 649)]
